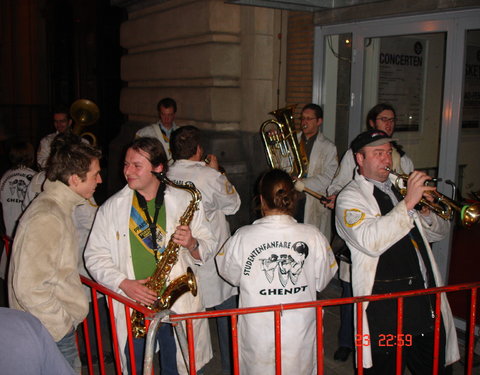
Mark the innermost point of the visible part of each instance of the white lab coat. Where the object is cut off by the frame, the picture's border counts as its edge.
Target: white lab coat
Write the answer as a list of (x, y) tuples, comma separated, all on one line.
[(44, 149), (344, 175), (219, 198), (108, 259), (323, 163), (154, 131), (260, 259), (368, 235)]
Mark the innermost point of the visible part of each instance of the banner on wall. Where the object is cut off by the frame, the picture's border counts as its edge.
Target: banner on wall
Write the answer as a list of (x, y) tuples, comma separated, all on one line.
[(401, 79), (471, 92)]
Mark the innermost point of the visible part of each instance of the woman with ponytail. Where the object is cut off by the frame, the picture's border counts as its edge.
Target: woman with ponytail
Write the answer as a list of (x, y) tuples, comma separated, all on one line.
[(277, 261)]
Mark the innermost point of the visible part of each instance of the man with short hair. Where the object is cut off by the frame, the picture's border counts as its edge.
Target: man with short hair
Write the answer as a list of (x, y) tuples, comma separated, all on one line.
[(163, 128), (43, 276), (62, 122), (131, 230), (323, 162), (390, 251), (219, 198), (382, 116)]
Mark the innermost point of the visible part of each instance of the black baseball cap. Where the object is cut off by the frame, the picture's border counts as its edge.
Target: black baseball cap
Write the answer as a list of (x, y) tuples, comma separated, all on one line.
[(372, 137)]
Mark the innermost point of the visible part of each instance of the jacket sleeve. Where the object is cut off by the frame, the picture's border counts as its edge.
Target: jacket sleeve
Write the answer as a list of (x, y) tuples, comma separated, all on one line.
[(320, 182), (224, 195), (35, 286), (43, 153), (228, 260), (102, 255), (406, 164), (365, 229), (202, 233), (327, 265), (344, 173), (437, 230)]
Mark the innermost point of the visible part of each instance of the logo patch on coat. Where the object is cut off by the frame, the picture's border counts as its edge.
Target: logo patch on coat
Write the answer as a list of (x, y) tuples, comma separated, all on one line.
[(353, 217)]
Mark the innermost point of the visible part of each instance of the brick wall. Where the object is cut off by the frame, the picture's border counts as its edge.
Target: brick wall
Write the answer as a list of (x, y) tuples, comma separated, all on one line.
[(299, 59)]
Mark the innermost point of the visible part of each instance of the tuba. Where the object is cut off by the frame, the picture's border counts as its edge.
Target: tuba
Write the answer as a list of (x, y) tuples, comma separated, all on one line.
[(281, 145), (84, 113), (168, 291), (441, 205)]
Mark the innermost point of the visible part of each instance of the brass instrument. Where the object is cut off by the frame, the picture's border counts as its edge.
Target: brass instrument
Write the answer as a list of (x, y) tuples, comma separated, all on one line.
[(441, 205), (168, 292), (281, 144), (84, 113)]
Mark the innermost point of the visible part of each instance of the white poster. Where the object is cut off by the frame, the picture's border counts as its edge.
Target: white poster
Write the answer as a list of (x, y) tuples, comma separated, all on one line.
[(401, 79), (471, 93)]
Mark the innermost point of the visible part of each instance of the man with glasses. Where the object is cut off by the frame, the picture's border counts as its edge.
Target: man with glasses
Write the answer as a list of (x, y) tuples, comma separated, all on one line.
[(380, 117), (323, 162), (163, 128)]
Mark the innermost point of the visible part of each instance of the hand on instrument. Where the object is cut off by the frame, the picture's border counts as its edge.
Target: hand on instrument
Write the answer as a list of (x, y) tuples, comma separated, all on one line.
[(136, 290), (213, 162), (183, 236), (331, 202), (416, 189)]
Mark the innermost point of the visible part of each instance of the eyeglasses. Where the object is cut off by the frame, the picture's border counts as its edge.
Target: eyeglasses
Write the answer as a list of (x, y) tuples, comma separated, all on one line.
[(308, 118), (387, 119)]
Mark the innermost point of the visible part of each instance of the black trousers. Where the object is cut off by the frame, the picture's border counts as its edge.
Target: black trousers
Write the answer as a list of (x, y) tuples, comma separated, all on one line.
[(417, 357)]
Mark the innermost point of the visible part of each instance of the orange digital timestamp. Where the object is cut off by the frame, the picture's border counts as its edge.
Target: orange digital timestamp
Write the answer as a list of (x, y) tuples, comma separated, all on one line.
[(385, 340)]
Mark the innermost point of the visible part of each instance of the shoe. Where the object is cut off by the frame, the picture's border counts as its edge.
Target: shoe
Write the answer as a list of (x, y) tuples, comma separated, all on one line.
[(342, 354)]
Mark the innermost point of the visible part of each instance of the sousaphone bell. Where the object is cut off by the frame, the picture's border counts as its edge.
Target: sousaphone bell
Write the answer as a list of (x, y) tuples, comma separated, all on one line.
[(84, 113)]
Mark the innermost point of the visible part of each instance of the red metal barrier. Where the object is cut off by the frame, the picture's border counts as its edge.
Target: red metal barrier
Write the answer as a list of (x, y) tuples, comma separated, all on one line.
[(277, 310), (7, 243), (129, 304)]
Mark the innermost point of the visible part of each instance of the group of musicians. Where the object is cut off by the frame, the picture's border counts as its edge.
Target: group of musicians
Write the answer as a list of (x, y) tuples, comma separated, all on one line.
[(283, 257)]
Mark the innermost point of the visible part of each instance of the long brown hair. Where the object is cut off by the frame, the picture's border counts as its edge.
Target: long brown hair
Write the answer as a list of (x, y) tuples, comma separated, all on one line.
[(278, 192)]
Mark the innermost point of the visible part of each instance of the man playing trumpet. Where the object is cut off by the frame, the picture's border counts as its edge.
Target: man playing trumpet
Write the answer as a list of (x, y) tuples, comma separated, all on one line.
[(389, 244)]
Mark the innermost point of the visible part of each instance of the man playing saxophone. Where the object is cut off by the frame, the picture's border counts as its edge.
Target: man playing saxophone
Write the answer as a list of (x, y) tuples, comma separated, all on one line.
[(130, 231)]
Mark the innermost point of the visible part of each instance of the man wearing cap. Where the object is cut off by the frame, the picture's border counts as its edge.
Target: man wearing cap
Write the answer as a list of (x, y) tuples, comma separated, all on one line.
[(389, 244)]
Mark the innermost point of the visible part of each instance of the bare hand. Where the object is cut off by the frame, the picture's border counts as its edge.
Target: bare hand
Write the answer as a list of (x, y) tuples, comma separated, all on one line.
[(183, 236), (416, 188), (213, 162), (136, 290), (331, 201)]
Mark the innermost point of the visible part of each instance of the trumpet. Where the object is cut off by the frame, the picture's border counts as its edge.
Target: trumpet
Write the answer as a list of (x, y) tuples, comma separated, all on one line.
[(441, 204)]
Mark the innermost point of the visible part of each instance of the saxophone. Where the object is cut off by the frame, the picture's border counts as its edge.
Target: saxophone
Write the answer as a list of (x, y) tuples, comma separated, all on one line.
[(168, 292)]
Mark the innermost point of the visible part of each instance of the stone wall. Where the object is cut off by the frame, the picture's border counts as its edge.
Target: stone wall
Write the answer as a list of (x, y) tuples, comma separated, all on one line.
[(220, 62), (225, 66)]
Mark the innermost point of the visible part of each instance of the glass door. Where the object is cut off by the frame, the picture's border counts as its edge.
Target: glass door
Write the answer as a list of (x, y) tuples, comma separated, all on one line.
[(465, 258), (416, 63), (407, 72)]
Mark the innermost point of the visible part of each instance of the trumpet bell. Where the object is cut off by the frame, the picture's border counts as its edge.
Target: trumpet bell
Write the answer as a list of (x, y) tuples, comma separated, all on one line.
[(470, 214)]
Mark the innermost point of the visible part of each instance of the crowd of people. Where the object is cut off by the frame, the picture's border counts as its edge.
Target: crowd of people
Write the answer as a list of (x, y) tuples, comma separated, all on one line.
[(285, 256)]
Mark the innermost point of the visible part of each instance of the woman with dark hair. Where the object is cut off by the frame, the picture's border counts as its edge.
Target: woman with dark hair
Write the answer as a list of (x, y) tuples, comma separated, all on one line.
[(277, 260)]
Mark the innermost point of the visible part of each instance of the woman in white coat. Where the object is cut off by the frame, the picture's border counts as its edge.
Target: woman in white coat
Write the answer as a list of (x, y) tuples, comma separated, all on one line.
[(277, 260)]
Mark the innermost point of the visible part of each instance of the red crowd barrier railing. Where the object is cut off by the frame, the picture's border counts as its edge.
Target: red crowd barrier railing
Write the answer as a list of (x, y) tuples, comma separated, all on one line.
[(277, 310), (128, 305)]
